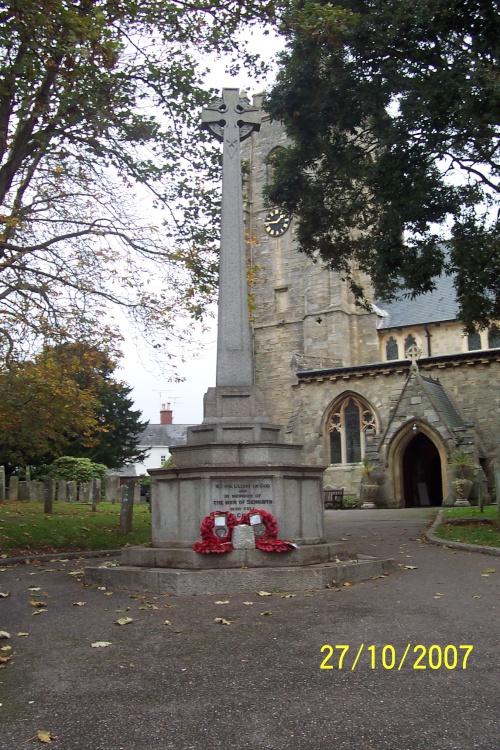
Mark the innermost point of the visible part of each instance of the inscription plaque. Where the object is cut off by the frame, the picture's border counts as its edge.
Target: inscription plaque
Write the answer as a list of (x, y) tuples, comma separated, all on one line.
[(241, 494)]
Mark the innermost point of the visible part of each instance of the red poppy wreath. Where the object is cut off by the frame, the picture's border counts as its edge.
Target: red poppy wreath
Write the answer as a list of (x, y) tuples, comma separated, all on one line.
[(269, 541), (213, 542)]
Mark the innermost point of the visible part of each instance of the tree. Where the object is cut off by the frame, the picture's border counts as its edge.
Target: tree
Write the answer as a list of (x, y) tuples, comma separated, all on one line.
[(43, 407), (393, 110), (67, 402), (115, 441), (106, 192)]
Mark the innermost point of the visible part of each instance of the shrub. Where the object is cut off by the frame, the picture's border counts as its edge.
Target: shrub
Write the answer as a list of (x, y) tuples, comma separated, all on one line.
[(75, 469)]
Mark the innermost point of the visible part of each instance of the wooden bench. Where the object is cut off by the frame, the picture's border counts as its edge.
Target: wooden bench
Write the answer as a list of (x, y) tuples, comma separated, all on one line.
[(333, 499)]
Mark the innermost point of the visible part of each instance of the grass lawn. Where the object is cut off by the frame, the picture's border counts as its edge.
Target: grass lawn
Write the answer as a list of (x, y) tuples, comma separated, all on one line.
[(472, 533), (25, 529)]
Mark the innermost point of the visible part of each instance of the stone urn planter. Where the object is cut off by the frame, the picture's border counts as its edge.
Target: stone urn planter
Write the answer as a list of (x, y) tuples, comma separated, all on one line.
[(465, 466), (461, 491), (368, 490)]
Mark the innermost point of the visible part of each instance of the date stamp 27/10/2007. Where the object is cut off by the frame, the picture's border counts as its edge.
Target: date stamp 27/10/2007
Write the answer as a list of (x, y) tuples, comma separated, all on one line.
[(388, 657)]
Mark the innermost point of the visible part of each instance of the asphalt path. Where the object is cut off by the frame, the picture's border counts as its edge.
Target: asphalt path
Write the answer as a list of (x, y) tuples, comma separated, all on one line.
[(198, 684)]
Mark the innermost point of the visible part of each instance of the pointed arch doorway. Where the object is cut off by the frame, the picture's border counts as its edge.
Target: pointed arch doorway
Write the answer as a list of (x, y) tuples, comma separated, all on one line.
[(422, 473)]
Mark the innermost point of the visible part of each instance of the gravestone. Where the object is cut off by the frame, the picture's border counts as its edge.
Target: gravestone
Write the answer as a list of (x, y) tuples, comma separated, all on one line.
[(2, 484), (62, 491), (83, 492), (95, 491), (23, 492), (111, 488), (127, 507), (13, 488), (72, 491), (49, 488)]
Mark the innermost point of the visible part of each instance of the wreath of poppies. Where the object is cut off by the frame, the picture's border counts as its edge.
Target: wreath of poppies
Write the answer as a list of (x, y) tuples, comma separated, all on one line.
[(211, 542), (268, 542)]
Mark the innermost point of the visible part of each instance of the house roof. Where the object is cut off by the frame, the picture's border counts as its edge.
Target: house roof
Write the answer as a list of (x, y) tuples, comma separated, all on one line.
[(431, 307), (164, 435)]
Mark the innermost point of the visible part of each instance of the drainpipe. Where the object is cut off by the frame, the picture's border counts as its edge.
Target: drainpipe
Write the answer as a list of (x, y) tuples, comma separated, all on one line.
[(428, 335)]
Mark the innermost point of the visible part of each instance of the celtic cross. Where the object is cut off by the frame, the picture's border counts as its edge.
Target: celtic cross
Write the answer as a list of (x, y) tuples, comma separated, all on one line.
[(413, 353), (231, 119)]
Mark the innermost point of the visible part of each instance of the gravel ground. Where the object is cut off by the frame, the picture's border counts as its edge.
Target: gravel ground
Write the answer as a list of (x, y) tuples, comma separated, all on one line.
[(196, 684)]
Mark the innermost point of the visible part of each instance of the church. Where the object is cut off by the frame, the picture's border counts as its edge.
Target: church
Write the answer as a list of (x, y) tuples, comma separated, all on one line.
[(401, 385)]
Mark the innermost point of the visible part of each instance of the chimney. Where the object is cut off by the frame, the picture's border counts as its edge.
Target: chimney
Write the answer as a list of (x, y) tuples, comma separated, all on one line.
[(166, 414)]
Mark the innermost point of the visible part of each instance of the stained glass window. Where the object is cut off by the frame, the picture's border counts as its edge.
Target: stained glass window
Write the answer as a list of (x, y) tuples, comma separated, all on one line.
[(473, 341), (494, 337), (392, 349)]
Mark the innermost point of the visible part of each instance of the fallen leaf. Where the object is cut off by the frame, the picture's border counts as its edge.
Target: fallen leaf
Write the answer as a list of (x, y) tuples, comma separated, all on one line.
[(79, 572), (489, 570), (22, 635), (45, 737), (100, 644), (266, 613), (6, 648), (178, 631), (4, 595), (35, 603), (477, 597), (5, 659), (313, 594), (34, 588), (79, 604), (108, 593), (39, 612), (485, 575), (410, 567), (226, 602), (347, 583), (247, 602), (124, 620), (222, 621), (85, 528), (264, 593), (288, 596), (101, 588), (167, 622)]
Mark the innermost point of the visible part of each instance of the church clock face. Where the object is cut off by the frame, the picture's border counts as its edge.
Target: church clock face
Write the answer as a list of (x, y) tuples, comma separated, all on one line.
[(276, 222)]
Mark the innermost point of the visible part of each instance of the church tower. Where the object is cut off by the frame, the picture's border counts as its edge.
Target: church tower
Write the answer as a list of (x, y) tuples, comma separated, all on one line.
[(304, 316)]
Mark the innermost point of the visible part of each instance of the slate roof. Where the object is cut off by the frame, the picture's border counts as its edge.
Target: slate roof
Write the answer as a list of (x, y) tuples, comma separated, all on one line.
[(431, 307), (441, 401), (164, 435)]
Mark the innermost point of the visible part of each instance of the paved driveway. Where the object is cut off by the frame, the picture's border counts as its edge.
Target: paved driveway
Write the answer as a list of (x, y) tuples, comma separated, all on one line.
[(256, 683)]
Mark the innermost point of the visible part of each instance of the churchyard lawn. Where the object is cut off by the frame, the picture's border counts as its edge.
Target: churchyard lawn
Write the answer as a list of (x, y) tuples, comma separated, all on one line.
[(25, 529), (474, 532)]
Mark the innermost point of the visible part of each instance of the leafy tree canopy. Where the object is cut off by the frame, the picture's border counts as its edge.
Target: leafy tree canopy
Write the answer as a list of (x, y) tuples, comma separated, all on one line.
[(105, 177), (393, 110), (66, 401)]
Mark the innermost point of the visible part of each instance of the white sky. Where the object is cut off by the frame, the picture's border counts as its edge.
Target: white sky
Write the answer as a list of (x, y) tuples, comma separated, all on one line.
[(151, 388)]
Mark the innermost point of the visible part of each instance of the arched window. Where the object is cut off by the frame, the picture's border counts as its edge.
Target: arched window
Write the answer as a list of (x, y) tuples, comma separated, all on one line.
[(391, 349), (347, 425), (494, 337), (409, 341), (473, 341)]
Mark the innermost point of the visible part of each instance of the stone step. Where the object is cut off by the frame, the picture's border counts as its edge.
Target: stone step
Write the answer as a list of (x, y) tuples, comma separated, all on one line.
[(187, 559), (239, 580)]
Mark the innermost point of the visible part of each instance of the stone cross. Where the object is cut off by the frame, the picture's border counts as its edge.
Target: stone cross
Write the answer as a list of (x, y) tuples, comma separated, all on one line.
[(413, 353), (231, 119)]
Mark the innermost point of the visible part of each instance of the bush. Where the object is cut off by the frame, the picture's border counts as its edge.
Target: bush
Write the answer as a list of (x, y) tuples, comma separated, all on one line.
[(75, 469)]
